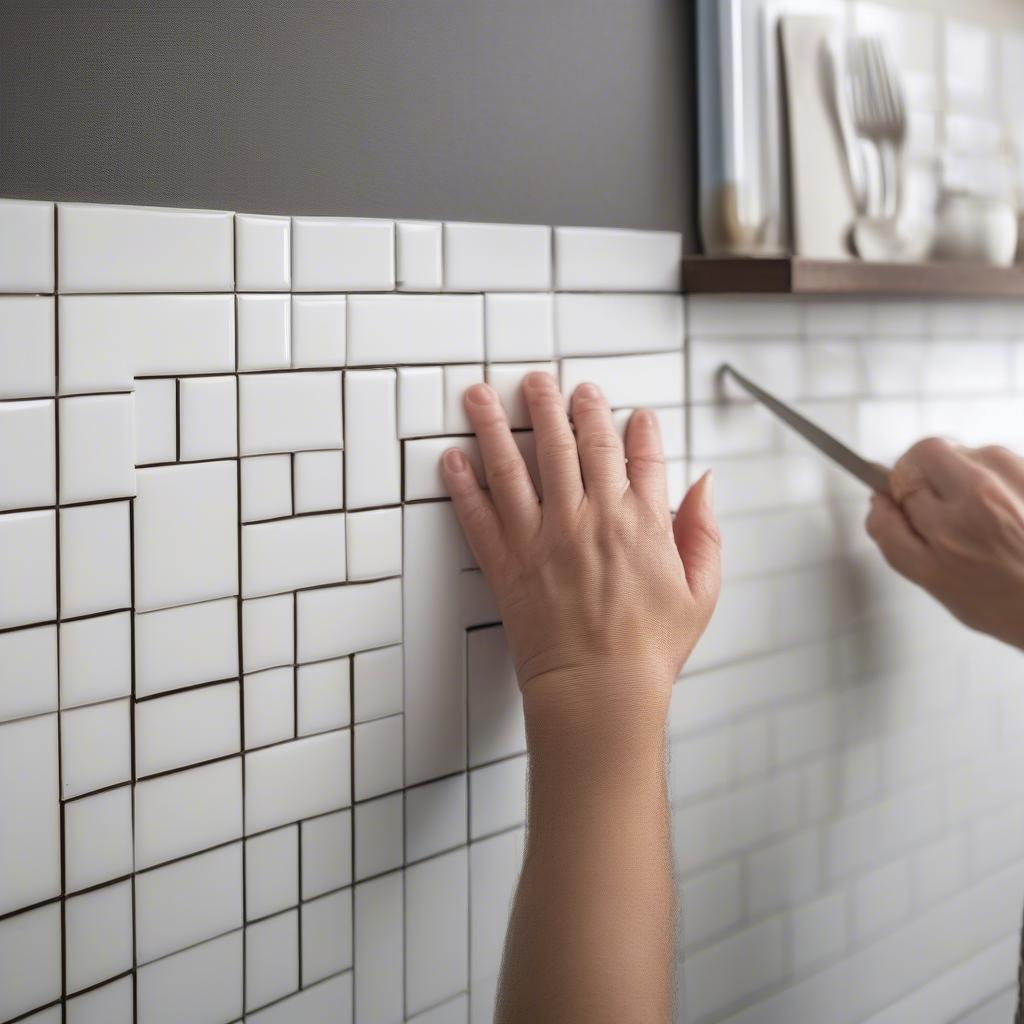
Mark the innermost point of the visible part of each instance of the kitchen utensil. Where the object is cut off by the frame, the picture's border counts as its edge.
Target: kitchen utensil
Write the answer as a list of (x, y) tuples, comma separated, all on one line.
[(841, 100), (873, 474)]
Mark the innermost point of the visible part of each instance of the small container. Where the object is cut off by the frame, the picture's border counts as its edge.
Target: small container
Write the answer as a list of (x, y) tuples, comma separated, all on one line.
[(975, 229)]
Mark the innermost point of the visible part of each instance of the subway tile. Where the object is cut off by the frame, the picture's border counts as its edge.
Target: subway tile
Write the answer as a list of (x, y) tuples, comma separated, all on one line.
[(374, 541), (98, 838), (208, 417), (327, 1002), (881, 899), (418, 256), (263, 253), (497, 257), (113, 1003), (377, 757), (268, 632), (435, 817), (156, 421), (818, 930), (318, 330), (139, 249), (776, 364), (420, 401), (28, 672), (326, 844), (292, 553), (95, 659), (739, 316), (519, 326), (783, 874), (30, 960), (27, 367), (493, 873), (423, 464), (28, 563), (379, 937), (264, 325), (339, 254), (377, 683), (940, 869), (28, 457), (266, 487), (595, 325), (271, 959), (607, 259), (269, 715), (495, 706), (334, 621), (373, 466), (711, 903), (326, 942), (379, 835), (457, 379), (271, 872), (289, 412), (497, 797), (95, 747), (97, 448), (319, 481), (95, 558), (629, 380), (323, 696), (26, 263)]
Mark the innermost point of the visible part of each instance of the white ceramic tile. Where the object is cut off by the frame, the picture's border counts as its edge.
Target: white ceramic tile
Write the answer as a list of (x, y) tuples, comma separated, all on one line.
[(202, 984), (263, 253), (340, 254), (271, 872), (187, 811), (292, 553), (379, 835), (497, 797), (507, 380), (776, 364), (323, 696), (326, 853), (420, 401), (493, 873), (970, 66), (435, 817), (26, 258), (183, 646), (297, 780), (95, 747), (26, 346), (497, 257), (374, 543), (266, 487), (113, 1003), (289, 412), (207, 411), (741, 316), (97, 838), (28, 672), (334, 621), (30, 960), (186, 728), (415, 329), (519, 326), (186, 523), (328, 1002), (818, 930), (107, 340), (373, 471), (98, 935), (156, 421), (95, 659), (28, 564), (456, 380), (418, 256), (139, 249), (379, 936), (268, 632), (377, 683), (436, 932), (264, 332), (615, 324), (605, 260), (318, 330), (319, 481), (377, 757), (423, 477), (629, 380), (30, 839), (452, 1011), (187, 902), (95, 558), (97, 447), (271, 959), (326, 936), (495, 713), (269, 706), (28, 467)]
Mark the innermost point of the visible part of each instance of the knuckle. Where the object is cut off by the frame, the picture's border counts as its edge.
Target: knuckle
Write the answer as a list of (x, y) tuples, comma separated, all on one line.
[(558, 448), (504, 469), (603, 440), (929, 448)]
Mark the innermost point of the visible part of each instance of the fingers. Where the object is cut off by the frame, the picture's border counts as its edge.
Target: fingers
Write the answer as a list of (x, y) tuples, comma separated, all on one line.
[(1007, 465), (935, 464), (906, 552), (602, 459), (645, 461), (699, 543), (507, 476), (925, 512), (557, 456), (474, 508)]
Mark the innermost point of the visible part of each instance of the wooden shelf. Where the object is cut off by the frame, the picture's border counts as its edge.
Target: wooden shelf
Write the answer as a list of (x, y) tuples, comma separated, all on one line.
[(798, 276)]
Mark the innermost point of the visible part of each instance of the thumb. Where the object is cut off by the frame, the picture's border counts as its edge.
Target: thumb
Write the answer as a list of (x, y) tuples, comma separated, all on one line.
[(699, 542)]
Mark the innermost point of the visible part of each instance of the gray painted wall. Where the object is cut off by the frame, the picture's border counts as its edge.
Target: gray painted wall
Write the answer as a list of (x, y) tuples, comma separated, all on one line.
[(549, 111)]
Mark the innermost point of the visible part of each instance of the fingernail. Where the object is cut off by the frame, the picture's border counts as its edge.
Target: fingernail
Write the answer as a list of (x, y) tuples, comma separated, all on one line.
[(480, 394), (455, 461), (588, 391), (646, 418), (707, 495), (539, 380)]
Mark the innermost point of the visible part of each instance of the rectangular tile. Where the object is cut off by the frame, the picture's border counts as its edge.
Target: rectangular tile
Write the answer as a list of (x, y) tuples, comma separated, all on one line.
[(606, 259), (263, 253), (27, 365), (593, 325), (97, 448), (156, 421), (328, 1002), (98, 838), (271, 959), (519, 326), (495, 706), (326, 924), (379, 960), (497, 257), (289, 412), (271, 872), (268, 632), (418, 256), (26, 263), (322, 696), (269, 715), (319, 330), (374, 542), (373, 457), (95, 747), (326, 853), (497, 797), (290, 554), (28, 454), (342, 254), (28, 672), (379, 835), (334, 621), (629, 380), (30, 950)]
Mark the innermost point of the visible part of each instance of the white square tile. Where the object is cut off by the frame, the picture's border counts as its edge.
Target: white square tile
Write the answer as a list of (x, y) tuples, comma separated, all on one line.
[(435, 817), (98, 838), (373, 462), (519, 326), (113, 1003), (318, 330), (28, 455), (377, 683), (208, 415), (98, 935), (268, 632), (266, 487), (415, 329), (186, 728), (28, 672), (379, 941), (507, 380), (186, 528), (97, 447), (289, 412), (326, 936), (156, 421), (95, 659), (30, 960), (374, 543), (456, 380), (287, 554), (27, 363), (339, 254), (271, 959), (334, 621), (326, 853), (497, 257), (328, 1002), (319, 481), (496, 725), (418, 256), (30, 839), (606, 259), (378, 757), (264, 332), (379, 835), (26, 259), (263, 253), (497, 797), (95, 747), (423, 477), (420, 401), (323, 694), (28, 565), (615, 324), (269, 706), (95, 559), (271, 872)]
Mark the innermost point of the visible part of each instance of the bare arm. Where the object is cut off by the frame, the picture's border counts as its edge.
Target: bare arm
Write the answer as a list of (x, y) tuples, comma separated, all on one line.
[(603, 598)]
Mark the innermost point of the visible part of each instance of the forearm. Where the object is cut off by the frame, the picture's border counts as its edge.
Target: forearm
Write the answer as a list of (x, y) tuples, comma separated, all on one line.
[(592, 931)]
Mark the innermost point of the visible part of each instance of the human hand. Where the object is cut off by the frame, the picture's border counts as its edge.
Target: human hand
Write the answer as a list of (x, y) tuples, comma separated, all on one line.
[(602, 596), (955, 526)]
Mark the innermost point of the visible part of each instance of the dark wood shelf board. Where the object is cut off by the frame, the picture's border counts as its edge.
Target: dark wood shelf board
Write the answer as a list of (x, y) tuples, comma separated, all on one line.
[(799, 276)]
